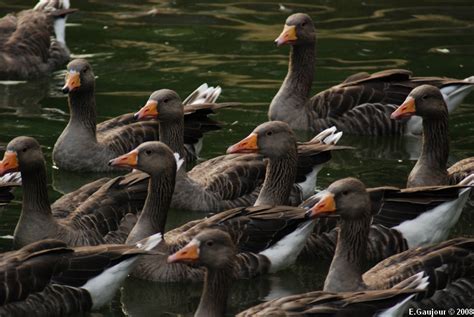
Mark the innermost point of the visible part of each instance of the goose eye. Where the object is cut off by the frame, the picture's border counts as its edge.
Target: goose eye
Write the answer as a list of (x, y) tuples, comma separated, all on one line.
[(269, 133), (24, 150), (148, 152), (166, 100), (345, 193), (210, 243), (303, 24), (424, 97)]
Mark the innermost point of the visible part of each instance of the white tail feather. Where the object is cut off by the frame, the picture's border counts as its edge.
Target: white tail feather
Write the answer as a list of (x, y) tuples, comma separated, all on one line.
[(179, 161), (12, 178), (284, 253), (328, 136), (203, 94), (149, 243)]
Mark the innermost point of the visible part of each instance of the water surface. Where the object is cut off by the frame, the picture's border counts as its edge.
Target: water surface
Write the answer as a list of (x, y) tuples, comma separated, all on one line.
[(136, 47)]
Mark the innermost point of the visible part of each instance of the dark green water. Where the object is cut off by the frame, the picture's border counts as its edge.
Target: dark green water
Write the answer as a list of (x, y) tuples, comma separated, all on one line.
[(136, 47)]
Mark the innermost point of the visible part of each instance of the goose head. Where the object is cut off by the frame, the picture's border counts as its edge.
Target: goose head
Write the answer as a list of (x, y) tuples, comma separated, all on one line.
[(163, 105), (299, 29), (79, 77), (346, 198), (212, 248), (425, 101), (151, 157), (23, 154), (271, 139)]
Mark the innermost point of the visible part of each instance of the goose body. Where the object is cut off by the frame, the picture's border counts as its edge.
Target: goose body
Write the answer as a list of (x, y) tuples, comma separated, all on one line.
[(98, 216), (215, 250), (362, 104), (383, 303), (443, 263), (48, 278), (402, 219), (235, 180), (32, 43), (85, 145), (269, 238)]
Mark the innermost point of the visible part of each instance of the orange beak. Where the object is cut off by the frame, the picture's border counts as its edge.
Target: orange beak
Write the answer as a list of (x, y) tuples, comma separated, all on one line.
[(247, 145), (73, 81), (127, 160), (406, 109), (150, 110), (287, 36), (190, 253), (326, 205), (9, 163)]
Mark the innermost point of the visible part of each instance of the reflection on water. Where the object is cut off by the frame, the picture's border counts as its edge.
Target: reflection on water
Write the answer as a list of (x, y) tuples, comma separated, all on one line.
[(136, 47)]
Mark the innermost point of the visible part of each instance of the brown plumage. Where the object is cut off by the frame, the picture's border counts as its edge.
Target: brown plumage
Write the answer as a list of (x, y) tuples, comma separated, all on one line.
[(253, 229), (48, 278), (235, 180), (427, 102), (85, 145), (402, 219), (360, 105), (99, 218), (215, 250), (27, 47), (443, 263)]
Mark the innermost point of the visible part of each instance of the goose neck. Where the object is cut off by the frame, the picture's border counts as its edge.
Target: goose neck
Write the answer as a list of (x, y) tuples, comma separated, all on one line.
[(172, 134), (279, 179), (350, 258), (217, 283), (82, 106), (155, 210)]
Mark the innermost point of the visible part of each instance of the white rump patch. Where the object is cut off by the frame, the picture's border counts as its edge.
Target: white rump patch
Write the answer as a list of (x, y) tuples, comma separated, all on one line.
[(284, 253), (103, 287), (149, 243), (433, 226), (328, 136), (179, 161)]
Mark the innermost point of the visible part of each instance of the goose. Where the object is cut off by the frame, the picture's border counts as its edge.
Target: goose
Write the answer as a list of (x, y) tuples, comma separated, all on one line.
[(235, 180), (49, 278), (215, 250), (427, 102), (402, 219), (362, 104), (85, 145), (97, 216), (274, 235), (27, 49), (443, 263)]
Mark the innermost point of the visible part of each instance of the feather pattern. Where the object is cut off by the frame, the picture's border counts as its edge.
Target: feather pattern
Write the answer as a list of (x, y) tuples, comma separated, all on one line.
[(362, 104), (87, 146), (28, 49), (48, 278)]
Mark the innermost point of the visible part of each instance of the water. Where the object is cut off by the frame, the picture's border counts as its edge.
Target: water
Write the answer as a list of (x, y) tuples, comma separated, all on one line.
[(136, 47)]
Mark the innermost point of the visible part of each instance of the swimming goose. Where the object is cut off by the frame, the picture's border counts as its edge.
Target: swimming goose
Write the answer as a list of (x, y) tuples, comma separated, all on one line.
[(85, 145), (215, 250), (48, 278), (274, 235), (27, 49), (348, 199), (100, 218), (427, 102), (402, 219), (361, 104), (235, 180)]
